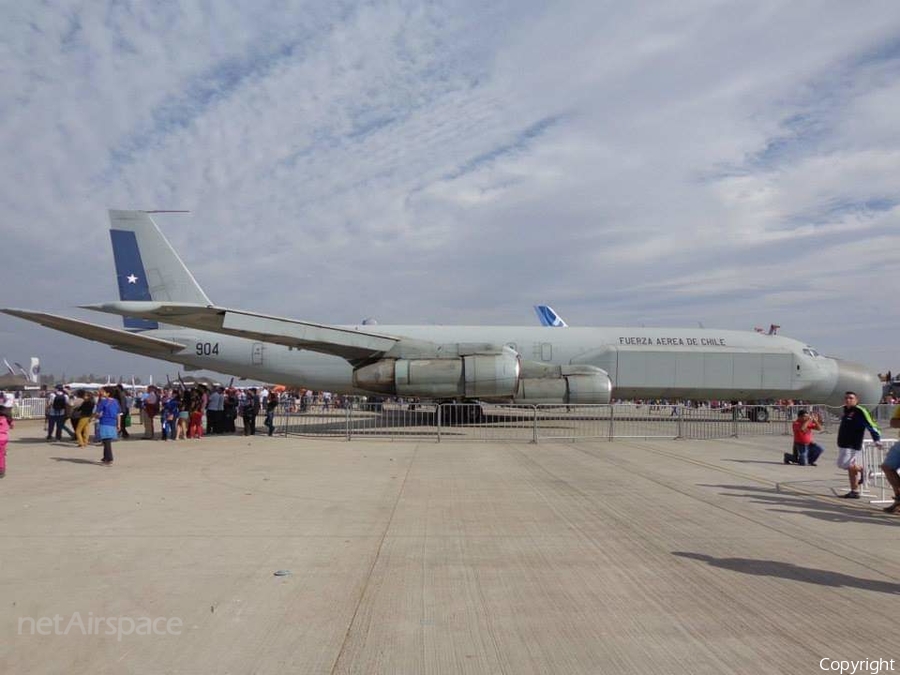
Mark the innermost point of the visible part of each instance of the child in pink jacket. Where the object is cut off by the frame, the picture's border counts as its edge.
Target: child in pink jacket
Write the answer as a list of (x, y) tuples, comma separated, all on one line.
[(6, 424)]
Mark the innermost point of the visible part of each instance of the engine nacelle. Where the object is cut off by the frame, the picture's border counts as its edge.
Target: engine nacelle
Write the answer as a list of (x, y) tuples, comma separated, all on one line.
[(483, 376), (571, 384)]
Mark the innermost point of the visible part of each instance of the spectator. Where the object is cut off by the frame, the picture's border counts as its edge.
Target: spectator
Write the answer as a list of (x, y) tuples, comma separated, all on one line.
[(230, 411), (271, 406), (249, 411), (215, 411), (855, 421), (150, 410), (184, 417), (169, 415), (805, 450), (6, 423), (195, 429), (56, 402), (107, 414), (85, 412), (891, 464), (125, 420)]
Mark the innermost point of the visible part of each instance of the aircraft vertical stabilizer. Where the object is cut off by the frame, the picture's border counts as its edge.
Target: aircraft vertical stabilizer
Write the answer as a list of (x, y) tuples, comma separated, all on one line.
[(34, 369), (147, 267), (548, 317)]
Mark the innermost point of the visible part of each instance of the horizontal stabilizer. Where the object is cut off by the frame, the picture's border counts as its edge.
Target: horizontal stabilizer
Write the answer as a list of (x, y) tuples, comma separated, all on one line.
[(114, 337), (353, 345)]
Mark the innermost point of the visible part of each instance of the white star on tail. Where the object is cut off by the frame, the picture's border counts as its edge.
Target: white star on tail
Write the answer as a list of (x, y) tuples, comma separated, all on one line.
[(132, 279)]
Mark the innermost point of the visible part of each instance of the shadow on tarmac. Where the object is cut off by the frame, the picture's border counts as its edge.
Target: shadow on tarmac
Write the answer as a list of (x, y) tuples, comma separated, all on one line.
[(820, 507), (809, 575), (77, 460)]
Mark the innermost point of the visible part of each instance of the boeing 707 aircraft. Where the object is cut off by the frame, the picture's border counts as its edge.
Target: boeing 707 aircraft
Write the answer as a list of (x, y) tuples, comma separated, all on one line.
[(168, 316)]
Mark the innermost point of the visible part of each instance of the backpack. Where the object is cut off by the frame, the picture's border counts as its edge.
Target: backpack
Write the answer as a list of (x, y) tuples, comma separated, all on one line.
[(59, 402)]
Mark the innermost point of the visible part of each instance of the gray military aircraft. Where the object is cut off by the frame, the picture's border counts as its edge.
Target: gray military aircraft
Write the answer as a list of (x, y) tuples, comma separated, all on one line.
[(168, 316)]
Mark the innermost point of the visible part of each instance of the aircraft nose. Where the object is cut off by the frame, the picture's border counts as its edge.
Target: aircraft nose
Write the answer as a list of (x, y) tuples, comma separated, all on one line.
[(858, 378)]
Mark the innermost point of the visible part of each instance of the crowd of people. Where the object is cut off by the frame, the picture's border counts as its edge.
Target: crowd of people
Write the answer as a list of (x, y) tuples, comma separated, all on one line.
[(166, 413)]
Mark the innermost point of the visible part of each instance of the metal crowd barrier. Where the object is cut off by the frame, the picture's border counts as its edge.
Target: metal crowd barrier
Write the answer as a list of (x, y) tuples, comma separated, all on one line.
[(535, 423), (876, 484), (391, 421), (29, 408)]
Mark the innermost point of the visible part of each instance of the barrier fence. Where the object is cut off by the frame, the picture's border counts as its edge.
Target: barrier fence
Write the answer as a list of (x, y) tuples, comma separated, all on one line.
[(876, 486), (535, 423), (29, 408)]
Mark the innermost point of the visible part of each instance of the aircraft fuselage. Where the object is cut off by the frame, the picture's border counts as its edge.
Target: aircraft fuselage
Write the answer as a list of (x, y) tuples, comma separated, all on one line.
[(641, 362)]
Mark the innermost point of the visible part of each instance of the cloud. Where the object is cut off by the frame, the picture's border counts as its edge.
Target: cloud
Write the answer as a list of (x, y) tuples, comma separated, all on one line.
[(651, 162)]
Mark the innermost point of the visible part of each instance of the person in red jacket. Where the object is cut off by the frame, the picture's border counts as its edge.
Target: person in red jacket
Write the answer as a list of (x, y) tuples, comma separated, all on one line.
[(805, 450)]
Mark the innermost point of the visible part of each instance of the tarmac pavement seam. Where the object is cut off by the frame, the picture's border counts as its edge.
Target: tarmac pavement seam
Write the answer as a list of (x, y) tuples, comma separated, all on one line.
[(375, 559)]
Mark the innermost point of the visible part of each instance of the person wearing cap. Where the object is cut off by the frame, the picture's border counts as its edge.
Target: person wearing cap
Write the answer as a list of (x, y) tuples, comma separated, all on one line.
[(855, 421), (805, 450)]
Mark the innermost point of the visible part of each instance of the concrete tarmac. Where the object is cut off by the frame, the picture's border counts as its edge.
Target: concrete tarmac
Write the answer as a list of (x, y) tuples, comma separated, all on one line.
[(459, 557)]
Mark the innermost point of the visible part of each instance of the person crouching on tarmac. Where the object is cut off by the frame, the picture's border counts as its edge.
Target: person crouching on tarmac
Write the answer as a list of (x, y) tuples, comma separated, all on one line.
[(854, 423), (805, 450)]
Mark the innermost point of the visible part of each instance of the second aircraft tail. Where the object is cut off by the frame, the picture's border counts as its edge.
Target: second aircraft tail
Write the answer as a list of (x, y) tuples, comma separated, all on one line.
[(548, 317)]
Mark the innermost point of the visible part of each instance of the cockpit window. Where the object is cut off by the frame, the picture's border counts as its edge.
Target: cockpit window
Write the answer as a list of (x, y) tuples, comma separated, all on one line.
[(809, 351)]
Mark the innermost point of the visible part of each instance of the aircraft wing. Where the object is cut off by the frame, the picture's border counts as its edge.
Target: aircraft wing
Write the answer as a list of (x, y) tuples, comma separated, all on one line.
[(353, 345), (114, 337)]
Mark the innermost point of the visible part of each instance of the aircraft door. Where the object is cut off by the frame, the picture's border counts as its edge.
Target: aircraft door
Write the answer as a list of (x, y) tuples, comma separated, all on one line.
[(256, 354)]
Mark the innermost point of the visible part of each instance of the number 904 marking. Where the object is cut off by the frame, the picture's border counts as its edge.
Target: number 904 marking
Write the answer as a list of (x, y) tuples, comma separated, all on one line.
[(207, 348)]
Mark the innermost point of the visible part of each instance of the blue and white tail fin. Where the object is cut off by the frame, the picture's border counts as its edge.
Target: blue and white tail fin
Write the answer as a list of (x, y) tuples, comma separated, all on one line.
[(147, 267), (548, 317)]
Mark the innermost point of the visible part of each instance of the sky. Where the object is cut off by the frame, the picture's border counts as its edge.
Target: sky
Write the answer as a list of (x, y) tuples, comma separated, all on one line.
[(707, 162)]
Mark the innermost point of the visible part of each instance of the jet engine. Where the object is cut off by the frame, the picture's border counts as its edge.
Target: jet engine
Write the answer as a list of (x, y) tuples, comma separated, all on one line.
[(566, 384), (474, 376)]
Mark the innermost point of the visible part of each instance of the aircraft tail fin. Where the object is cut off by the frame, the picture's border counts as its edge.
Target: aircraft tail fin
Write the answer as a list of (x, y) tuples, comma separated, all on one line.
[(147, 267), (548, 317), (33, 371)]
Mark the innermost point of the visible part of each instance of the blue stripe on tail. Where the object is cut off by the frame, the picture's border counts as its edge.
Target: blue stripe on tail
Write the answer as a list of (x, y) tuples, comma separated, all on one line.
[(130, 275)]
